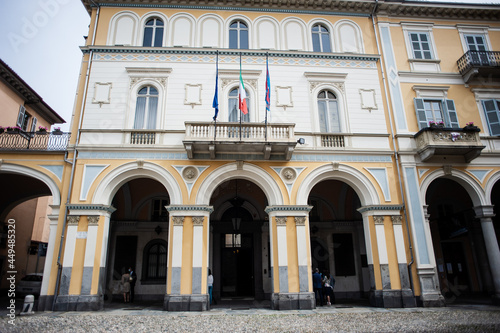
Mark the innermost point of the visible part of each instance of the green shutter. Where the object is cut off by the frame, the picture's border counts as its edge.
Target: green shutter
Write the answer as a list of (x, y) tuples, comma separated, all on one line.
[(20, 117), (492, 111), (420, 110), (451, 113)]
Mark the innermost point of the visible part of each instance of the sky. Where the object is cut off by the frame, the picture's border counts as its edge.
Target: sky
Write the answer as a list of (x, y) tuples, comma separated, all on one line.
[(40, 39)]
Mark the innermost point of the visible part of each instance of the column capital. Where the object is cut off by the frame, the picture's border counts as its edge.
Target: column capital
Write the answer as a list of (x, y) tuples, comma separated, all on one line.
[(281, 220), (300, 220), (397, 219), (93, 220), (178, 220), (486, 211), (73, 219), (198, 220), (378, 219)]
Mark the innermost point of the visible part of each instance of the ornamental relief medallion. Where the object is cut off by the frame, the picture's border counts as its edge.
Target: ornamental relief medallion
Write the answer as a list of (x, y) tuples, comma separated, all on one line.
[(190, 173)]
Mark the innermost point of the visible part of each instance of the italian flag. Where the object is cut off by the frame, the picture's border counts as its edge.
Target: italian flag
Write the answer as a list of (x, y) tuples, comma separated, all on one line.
[(242, 96)]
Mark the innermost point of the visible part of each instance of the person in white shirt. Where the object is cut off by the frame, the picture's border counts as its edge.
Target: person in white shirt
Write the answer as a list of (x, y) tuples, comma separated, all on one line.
[(210, 285)]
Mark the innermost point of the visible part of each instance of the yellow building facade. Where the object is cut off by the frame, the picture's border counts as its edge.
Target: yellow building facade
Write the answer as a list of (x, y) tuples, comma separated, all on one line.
[(344, 173)]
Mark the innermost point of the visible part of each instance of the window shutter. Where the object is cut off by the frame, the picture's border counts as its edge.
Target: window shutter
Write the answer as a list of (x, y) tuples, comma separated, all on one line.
[(420, 110), (492, 111), (33, 124), (451, 113), (20, 117)]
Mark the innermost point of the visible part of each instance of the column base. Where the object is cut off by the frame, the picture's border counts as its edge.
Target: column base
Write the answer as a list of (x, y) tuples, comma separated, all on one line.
[(45, 303), (393, 298), (293, 301), (79, 303), (431, 295), (186, 302)]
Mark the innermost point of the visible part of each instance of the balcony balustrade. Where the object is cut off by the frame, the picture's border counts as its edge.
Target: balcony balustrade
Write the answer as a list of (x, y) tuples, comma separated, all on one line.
[(204, 138), (449, 141), (34, 141), (479, 64)]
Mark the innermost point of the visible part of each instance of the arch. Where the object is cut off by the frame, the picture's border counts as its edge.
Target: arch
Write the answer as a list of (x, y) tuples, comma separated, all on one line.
[(26, 171), (249, 172), (495, 178), (473, 188), (267, 34), (123, 28), (160, 112), (294, 34), (210, 32), (142, 23), (327, 25), (110, 184), (348, 37), (341, 104), (182, 30), (357, 180)]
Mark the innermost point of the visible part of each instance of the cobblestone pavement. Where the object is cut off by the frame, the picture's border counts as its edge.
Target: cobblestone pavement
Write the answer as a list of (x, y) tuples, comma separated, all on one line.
[(460, 318)]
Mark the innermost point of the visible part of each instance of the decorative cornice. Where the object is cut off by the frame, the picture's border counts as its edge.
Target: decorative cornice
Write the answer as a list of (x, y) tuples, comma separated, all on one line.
[(181, 208), (378, 219), (270, 209), (109, 209), (93, 220), (198, 220), (280, 220), (300, 220), (178, 220), (251, 53), (379, 208), (73, 219)]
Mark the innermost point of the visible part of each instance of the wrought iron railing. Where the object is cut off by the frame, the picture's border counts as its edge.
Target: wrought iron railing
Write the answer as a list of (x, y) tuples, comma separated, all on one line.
[(473, 59), (19, 140)]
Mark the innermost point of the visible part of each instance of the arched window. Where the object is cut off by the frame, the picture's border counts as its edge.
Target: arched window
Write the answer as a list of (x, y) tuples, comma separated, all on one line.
[(233, 104), (329, 120), (238, 35), (153, 33), (154, 266), (321, 39), (146, 108)]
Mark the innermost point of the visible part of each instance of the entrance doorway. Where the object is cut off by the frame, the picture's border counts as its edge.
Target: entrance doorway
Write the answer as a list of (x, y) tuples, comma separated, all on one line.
[(237, 265)]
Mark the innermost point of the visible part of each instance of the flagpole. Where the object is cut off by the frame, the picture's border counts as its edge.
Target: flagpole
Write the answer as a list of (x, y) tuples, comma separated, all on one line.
[(216, 88), (239, 102), (267, 76)]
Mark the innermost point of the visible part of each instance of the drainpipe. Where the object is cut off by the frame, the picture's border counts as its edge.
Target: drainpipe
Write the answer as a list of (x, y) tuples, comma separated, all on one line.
[(73, 164), (396, 152)]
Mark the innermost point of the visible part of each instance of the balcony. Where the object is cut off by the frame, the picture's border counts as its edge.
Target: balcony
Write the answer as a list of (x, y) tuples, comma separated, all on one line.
[(34, 141), (449, 141), (274, 141), (479, 64)]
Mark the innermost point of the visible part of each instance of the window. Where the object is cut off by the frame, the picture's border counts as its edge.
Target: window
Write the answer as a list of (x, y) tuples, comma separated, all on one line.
[(159, 212), (321, 39), (238, 35), (492, 111), (436, 110), (153, 33), (155, 261), (420, 43), (146, 108), (329, 121), (477, 44), (23, 118), (233, 105)]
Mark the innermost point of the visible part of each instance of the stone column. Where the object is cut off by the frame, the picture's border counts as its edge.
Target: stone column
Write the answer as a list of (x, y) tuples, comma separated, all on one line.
[(406, 291), (63, 299), (188, 258), (87, 302), (485, 215), (290, 257)]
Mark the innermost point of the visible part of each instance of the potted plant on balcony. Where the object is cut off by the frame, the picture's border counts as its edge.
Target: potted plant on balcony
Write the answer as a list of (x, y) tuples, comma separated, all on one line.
[(470, 126), (57, 131), (436, 124), (13, 129), (42, 130)]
